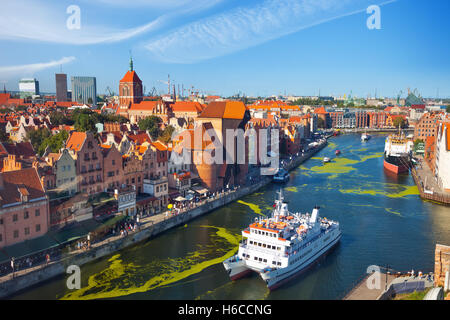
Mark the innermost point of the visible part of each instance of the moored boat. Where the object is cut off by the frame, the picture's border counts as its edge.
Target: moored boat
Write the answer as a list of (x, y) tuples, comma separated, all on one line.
[(326, 159), (397, 153), (283, 246), (365, 136), (337, 152)]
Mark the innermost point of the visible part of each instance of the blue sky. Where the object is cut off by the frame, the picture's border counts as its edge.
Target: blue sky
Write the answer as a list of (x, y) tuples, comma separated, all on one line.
[(225, 46)]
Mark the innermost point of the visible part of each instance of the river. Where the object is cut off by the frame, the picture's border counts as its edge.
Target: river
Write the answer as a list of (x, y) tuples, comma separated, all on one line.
[(383, 221)]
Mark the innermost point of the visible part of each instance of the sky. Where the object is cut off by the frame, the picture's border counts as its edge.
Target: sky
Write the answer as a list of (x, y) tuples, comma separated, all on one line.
[(224, 47)]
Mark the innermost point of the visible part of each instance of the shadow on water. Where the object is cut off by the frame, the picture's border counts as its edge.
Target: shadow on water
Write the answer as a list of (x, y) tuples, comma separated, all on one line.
[(391, 177)]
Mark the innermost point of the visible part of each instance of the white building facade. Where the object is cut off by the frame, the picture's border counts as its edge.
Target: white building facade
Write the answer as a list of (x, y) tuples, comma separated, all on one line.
[(442, 166)]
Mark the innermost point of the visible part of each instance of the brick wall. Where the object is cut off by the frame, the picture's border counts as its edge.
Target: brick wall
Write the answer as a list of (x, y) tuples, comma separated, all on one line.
[(441, 263)]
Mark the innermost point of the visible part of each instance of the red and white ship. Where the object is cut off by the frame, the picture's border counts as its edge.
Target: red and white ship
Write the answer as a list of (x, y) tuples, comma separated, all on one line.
[(397, 153)]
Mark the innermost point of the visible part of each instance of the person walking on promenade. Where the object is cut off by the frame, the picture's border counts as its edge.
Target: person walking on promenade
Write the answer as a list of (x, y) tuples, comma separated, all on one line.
[(47, 259), (12, 266)]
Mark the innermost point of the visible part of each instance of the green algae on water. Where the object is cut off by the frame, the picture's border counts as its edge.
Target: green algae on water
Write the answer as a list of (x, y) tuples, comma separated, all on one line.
[(121, 279)]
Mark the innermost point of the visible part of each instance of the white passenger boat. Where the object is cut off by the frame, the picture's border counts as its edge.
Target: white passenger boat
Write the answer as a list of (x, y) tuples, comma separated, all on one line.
[(283, 246), (365, 136)]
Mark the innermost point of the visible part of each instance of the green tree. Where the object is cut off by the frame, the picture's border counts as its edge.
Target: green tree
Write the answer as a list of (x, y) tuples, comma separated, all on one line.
[(59, 118), (84, 120), (21, 108), (151, 124), (4, 137), (448, 109), (5, 110), (166, 134), (37, 137), (55, 142), (399, 121)]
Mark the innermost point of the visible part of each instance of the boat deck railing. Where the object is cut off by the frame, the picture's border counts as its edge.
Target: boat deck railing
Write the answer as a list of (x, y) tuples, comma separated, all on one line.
[(265, 250)]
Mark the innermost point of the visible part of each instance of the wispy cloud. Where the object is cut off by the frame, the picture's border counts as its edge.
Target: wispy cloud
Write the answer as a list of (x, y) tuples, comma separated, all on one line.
[(30, 69), (244, 27), (148, 3), (40, 21)]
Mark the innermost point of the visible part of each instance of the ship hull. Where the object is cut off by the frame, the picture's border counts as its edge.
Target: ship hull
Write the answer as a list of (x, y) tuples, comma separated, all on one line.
[(236, 269), (279, 279), (395, 165)]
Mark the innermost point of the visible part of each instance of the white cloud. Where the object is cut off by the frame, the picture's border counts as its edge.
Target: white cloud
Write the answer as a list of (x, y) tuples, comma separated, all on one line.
[(30, 69), (148, 3), (245, 27), (39, 21)]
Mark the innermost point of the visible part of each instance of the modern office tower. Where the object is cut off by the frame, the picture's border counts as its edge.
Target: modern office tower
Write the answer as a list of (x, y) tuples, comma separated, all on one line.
[(61, 87), (84, 90), (28, 87)]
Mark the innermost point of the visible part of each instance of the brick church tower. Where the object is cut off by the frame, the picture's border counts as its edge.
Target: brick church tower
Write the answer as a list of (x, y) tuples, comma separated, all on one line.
[(130, 88)]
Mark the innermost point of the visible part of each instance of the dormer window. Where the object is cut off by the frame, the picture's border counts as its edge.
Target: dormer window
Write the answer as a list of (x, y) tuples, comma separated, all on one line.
[(23, 193)]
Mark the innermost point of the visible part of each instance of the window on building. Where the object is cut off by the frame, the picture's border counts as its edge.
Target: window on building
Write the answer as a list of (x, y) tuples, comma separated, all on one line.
[(16, 234), (26, 215), (37, 213), (38, 227), (27, 231), (1, 237), (15, 217)]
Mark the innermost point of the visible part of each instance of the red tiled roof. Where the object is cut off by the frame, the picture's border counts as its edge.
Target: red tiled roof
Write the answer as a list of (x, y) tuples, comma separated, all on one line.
[(140, 138), (144, 105), (4, 98), (22, 150), (159, 145), (187, 106), (224, 110), (130, 76), (320, 110), (12, 183), (76, 140)]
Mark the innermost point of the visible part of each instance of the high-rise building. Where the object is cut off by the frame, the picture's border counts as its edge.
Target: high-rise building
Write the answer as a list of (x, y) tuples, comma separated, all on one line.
[(61, 87), (84, 90), (28, 87)]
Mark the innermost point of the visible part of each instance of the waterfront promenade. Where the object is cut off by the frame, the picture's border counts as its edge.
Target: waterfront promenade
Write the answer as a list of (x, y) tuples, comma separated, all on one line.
[(389, 286), (427, 185), (148, 227)]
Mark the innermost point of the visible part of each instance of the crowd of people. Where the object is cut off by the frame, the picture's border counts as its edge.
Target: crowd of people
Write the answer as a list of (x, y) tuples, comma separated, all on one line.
[(124, 228)]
